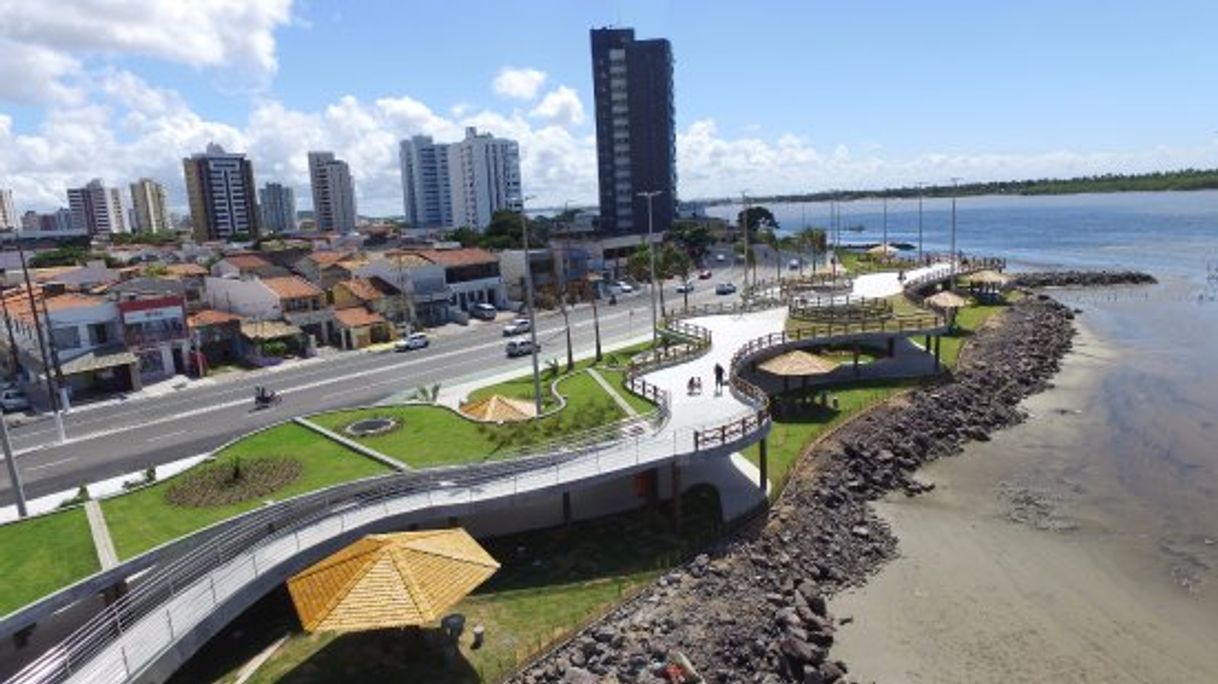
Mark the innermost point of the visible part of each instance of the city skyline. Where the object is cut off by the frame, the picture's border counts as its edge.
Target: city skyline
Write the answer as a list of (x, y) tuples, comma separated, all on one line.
[(869, 98)]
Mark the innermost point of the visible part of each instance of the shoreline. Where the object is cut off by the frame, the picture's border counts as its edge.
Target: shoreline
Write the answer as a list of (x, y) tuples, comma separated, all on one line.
[(1028, 547), (758, 602)]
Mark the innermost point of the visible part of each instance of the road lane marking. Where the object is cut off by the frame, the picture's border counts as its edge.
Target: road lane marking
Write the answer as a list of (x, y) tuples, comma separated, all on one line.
[(52, 464), (166, 435)]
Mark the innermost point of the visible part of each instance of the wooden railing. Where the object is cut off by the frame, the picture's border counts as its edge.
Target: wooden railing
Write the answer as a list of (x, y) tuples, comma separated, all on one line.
[(841, 309)]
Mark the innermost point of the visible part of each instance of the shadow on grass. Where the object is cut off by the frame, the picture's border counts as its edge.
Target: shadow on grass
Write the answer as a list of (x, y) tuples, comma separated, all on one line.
[(626, 544)]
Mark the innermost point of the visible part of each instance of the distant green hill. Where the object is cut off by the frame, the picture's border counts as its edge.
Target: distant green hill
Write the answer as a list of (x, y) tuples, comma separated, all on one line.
[(1186, 179)]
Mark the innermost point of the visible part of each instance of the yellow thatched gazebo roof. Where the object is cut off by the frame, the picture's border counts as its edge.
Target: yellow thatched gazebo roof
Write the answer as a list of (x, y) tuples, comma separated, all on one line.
[(946, 300), (403, 579), (500, 409), (883, 250), (989, 277), (797, 363)]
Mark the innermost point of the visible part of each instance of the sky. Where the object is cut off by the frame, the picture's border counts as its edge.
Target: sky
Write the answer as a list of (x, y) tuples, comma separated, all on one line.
[(771, 97)]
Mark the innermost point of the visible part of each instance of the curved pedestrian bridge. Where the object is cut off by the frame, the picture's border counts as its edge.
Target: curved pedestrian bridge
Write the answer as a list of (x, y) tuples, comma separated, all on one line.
[(182, 602)]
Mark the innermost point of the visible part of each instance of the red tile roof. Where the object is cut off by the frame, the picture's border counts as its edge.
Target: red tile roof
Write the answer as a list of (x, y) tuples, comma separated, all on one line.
[(357, 317), (206, 317), (292, 287), (185, 270), (362, 288), (465, 256), (247, 262), (324, 259)]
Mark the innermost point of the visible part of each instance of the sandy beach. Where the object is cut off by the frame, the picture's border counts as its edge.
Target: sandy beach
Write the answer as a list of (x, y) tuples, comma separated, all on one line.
[(1031, 562)]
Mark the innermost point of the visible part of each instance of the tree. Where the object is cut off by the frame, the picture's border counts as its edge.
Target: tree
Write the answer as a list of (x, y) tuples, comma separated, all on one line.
[(468, 237), (507, 232), (757, 216), (692, 237)]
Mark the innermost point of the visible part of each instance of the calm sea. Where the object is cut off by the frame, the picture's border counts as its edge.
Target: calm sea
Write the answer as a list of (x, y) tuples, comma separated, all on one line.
[(1159, 400)]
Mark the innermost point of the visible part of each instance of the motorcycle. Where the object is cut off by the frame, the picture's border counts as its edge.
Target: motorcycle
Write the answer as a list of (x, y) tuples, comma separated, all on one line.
[(266, 399)]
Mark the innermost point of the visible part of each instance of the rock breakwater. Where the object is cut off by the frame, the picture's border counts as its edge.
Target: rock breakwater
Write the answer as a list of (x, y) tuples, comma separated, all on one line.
[(753, 608), (1082, 278)]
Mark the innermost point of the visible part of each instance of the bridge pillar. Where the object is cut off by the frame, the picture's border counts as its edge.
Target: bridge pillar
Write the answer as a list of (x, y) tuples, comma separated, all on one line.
[(566, 508), (927, 346), (856, 358), (892, 347), (676, 497), (762, 458), (938, 363)]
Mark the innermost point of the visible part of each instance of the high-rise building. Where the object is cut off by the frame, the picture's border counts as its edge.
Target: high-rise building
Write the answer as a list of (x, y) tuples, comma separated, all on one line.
[(96, 208), (57, 221), (426, 189), (8, 211), (278, 208), (635, 133), (333, 193), (484, 173), (220, 188), (461, 184), (148, 207)]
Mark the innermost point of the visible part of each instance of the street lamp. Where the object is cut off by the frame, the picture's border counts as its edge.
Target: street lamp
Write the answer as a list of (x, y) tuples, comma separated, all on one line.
[(651, 249), (955, 186), (528, 300), (920, 187)]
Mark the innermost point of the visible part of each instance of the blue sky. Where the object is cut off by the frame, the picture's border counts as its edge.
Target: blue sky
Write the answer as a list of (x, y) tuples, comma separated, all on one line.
[(775, 96)]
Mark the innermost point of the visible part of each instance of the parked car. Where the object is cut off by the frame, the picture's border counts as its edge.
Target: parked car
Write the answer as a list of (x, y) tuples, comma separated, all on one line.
[(704, 274), (725, 289), (794, 264), (516, 327), (625, 286), (687, 286), (412, 341), (486, 312), (13, 399), (721, 257), (521, 347)]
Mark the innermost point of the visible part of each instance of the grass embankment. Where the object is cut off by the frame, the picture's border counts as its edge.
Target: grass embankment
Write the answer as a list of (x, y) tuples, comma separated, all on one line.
[(143, 519), (522, 387), (968, 321), (551, 583), (43, 554)]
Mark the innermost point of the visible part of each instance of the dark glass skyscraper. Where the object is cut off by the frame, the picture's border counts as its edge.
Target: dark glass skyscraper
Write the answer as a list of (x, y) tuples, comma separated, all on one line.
[(635, 133)]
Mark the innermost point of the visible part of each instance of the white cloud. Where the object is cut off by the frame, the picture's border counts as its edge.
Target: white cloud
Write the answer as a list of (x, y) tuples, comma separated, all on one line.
[(519, 84), (42, 41), (561, 107)]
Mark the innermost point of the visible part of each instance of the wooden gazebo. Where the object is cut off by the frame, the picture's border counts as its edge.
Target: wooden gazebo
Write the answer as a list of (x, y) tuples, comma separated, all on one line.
[(797, 364)]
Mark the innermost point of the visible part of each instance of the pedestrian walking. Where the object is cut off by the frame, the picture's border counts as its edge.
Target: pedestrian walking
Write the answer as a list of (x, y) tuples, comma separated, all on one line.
[(718, 378)]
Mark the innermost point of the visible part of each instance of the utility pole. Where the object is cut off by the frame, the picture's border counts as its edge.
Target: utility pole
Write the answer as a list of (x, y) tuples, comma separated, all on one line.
[(955, 187), (920, 187), (42, 346), (651, 250), (528, 297), (885, 200)]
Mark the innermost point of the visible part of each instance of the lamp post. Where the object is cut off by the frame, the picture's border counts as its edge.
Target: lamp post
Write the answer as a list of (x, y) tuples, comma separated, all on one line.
[(885, 255), (651, 250), (528, 300), (952, 283), (920, 186)]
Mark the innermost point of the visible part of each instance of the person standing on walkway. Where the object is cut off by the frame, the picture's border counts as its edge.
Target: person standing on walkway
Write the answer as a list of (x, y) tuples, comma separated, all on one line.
[(718, 378)]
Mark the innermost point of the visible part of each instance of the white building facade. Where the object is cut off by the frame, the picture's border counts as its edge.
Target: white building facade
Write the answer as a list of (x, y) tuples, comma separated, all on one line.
[(148, 209), (96, 209), (485, 175), (333, 193), (8, 211), (426, 188)]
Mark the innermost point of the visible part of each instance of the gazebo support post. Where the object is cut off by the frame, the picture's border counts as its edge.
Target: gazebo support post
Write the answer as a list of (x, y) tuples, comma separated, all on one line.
[(856, 358), (762, 462), (676, 497), (566, 508), (927, 345), (938, 341)]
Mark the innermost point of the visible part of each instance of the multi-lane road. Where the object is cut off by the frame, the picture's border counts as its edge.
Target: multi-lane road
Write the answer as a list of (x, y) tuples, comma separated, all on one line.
[(122, 437)]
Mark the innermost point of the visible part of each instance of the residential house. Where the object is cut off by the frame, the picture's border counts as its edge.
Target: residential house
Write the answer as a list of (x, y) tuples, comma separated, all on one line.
[(246, 264), (291, 299), (374, 294), (215, 338), (192, 277), (155, 330), (85, 350), (417, 280), (471, 275), (324, 269), (358, 327)]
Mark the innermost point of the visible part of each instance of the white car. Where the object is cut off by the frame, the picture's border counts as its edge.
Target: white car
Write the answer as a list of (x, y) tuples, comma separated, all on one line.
[(687, 286), (725, 289), (720, 257), (483, 310), (625, 287), (13, 399), (521, 347), (516, 327), (412, 341)]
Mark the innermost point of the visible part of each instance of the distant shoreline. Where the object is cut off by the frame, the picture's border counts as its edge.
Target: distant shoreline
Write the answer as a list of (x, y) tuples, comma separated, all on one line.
[(1185, 180)]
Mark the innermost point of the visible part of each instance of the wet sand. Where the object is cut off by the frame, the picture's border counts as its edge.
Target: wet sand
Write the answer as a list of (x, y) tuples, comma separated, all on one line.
[(1031, 561)]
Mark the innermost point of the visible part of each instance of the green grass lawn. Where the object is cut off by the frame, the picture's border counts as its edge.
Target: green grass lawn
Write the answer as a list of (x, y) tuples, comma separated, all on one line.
[(43, 554), (968, 321), (551, 583), (143, 519), (792, 435)]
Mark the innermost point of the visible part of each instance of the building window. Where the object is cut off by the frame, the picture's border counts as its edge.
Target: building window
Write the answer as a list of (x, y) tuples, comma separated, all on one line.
[(99, 334), (66, 338)]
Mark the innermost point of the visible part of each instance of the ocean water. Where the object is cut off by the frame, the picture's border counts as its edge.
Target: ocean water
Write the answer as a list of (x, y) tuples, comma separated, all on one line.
[(1157, 399)]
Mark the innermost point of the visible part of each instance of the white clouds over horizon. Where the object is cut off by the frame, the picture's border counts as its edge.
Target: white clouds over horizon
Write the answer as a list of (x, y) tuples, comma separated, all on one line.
[(519, 84)]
